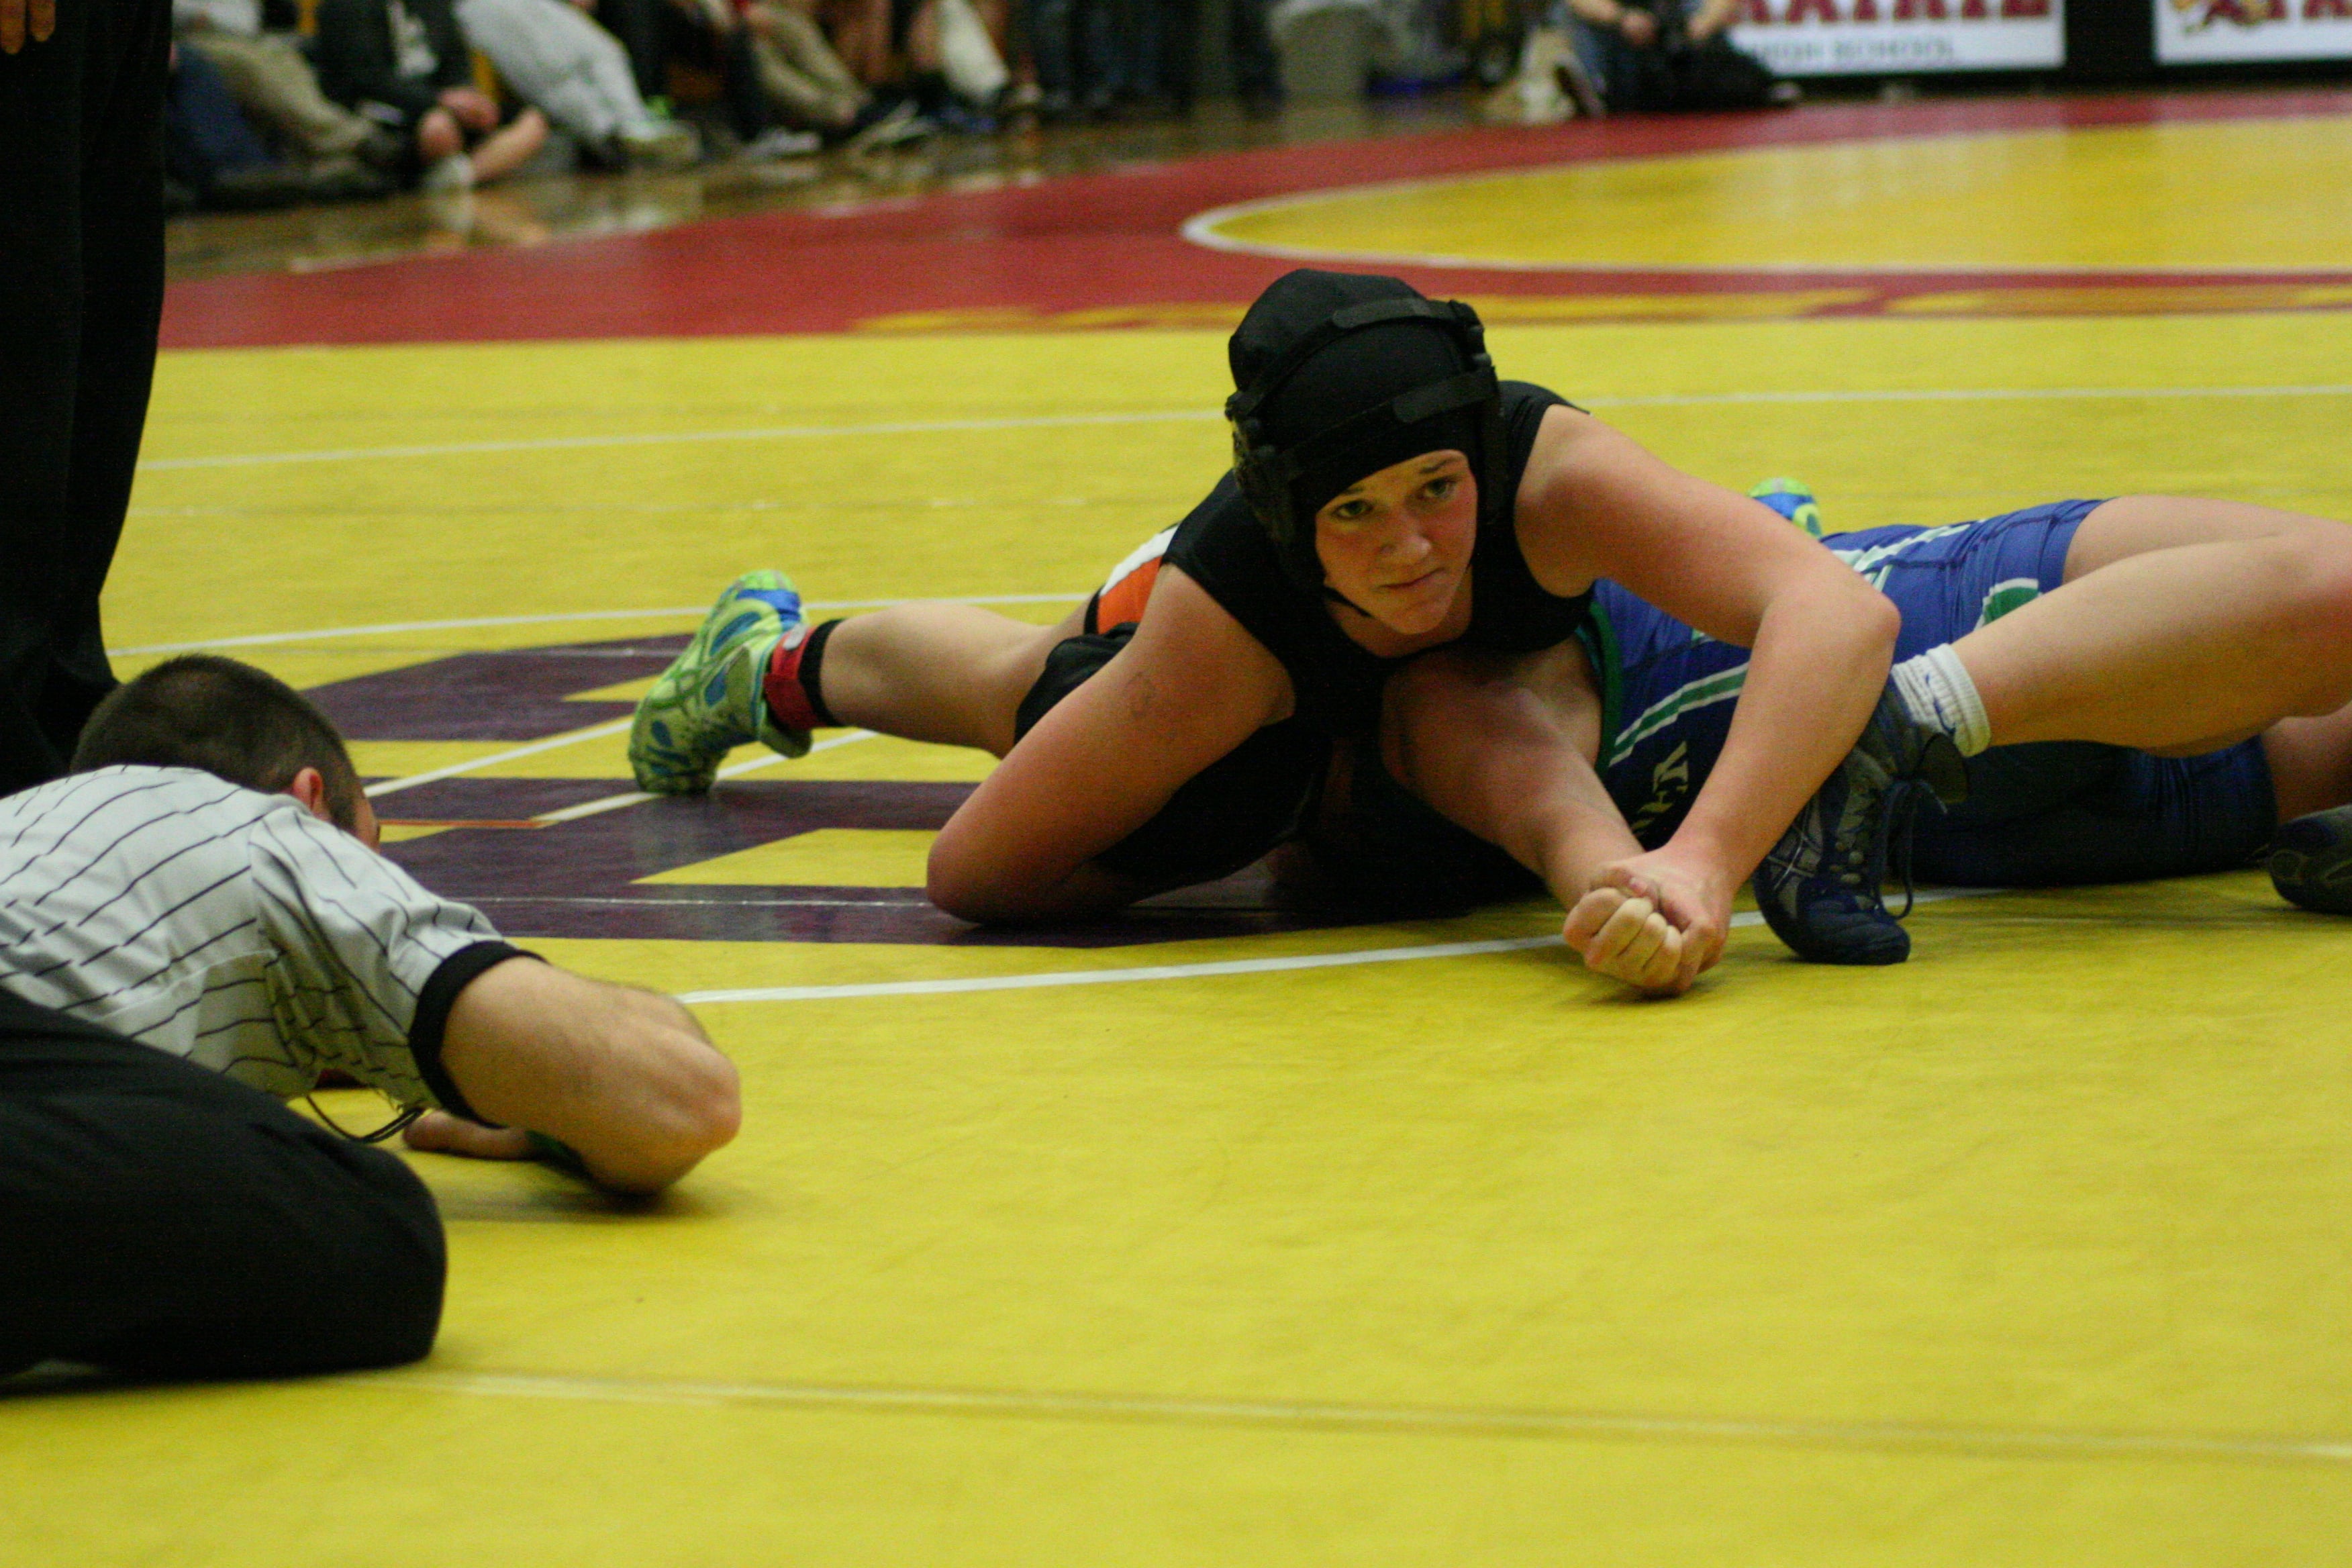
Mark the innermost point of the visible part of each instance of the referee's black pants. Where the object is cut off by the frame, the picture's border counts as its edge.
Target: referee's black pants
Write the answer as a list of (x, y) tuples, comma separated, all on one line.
[(81, 291), (165, 1221)]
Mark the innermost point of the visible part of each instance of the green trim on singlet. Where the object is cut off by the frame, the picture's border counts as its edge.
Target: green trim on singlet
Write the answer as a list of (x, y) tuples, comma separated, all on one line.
[(1600, 640), (2011, 594), (1723, 686)]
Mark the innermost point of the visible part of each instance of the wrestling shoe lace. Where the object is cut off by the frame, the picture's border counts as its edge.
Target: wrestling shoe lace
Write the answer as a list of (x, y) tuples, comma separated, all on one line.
[(1822, 888)]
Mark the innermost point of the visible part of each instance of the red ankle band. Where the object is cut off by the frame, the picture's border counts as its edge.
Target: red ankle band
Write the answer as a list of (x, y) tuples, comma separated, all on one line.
[(790, 688)]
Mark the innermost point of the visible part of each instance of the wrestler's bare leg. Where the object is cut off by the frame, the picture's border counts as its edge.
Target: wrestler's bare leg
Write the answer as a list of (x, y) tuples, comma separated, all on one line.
[(2311, 763), (950, 674), (2182, 626)]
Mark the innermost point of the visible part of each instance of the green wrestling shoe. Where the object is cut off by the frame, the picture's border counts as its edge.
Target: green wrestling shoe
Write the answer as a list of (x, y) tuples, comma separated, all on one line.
[(709, 700), (1792, 500)]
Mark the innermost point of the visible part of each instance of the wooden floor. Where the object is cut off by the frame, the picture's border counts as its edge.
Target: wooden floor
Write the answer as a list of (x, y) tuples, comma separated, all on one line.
[(1201, 1236)]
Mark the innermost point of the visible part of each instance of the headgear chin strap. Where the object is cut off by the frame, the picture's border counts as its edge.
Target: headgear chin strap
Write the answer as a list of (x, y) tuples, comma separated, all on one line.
[(1265, 472)]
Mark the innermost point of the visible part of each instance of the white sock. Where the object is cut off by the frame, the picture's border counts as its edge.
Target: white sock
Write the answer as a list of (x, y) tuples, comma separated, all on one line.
[(1937, 690)]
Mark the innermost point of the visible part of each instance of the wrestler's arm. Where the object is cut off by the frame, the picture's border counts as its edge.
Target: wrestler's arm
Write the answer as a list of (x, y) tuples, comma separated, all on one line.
[(1505, 748), (1189, 688), (1594, 503)]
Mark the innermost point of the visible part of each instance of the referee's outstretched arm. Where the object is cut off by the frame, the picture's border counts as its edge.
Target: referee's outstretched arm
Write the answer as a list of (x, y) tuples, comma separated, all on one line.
[(626, 1078)]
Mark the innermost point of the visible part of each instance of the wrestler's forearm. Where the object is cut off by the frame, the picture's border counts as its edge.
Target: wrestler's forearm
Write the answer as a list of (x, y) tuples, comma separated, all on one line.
[(1503, 764), (1819, 666), (1568, 844)]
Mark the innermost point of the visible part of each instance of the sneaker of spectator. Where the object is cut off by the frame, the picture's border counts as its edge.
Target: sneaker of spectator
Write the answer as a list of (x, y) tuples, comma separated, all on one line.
[(658, 144), (776, 142), (895, 126), (454, 173)]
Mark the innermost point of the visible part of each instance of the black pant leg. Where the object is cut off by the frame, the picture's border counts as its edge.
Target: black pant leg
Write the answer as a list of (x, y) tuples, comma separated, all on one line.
[(1258, 70), (643, 33), (747, 101), (81, 290), (162, 1220)]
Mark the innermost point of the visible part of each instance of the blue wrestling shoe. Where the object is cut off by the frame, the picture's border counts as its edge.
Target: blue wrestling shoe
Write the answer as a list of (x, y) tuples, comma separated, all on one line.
[(2311, 862), (1792, 500), (1819, 887), (709, 700)]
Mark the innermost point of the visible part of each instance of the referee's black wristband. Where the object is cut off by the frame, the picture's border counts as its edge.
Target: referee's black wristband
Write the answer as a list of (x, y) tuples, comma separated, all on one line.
[(457, 972)]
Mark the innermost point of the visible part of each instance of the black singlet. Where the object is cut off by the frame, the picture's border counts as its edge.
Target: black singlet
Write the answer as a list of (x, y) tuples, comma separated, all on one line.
[(1336, 680)]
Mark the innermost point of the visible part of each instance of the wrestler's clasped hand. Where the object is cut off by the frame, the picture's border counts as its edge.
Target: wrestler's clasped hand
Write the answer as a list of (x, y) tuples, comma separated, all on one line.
[(1650, 924), (20, 19)]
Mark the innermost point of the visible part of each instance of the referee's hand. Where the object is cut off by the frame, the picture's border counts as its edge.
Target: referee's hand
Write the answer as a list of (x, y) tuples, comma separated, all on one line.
[(439, 1132), (19, 17)]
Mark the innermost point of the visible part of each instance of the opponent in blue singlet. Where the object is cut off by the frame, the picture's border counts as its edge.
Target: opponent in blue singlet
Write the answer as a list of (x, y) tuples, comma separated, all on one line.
[(2047, 814)]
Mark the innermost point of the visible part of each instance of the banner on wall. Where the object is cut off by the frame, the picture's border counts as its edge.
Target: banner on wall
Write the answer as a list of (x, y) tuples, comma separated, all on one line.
[(2199, 32), (1875, 38)]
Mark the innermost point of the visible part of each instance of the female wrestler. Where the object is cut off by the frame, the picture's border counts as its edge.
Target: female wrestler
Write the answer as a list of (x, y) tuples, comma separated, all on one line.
[(1389, 498)]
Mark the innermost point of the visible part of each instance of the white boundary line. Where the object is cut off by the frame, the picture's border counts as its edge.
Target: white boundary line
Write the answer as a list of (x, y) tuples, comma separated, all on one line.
[(1968, 395), (264, 640), (1306, 1414), (1139, 972), (667, 437), (1203, 229), (1192, 970), (588, 807), (1693, 400), (637, 796), (572, 738)]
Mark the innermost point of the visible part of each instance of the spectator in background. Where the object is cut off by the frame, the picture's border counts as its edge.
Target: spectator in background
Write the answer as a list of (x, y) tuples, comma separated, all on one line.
[(214, 158), (708, 35), (404, 64), (802, 78), (1672, 55), (554, 57), (1103, 59), (274, 85), (946, 56), (1249, 47), (1070, 43)]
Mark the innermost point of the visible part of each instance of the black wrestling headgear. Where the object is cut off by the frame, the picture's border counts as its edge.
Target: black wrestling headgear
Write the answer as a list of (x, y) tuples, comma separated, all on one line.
[(1341, 375)]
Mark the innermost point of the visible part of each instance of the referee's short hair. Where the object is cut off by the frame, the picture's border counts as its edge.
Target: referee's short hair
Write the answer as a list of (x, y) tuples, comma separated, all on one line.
[(235, 722)]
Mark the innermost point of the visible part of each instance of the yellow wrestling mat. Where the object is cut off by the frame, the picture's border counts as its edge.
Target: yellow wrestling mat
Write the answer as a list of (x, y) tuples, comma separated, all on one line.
[(2250, 196), (1394, 1245)]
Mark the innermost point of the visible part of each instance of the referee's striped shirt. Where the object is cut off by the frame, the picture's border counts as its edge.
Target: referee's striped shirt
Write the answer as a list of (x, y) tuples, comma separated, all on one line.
[(232, 928)]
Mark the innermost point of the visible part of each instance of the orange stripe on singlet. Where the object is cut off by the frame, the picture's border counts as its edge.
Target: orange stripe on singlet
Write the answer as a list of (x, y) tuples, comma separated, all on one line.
[(1121, 598)]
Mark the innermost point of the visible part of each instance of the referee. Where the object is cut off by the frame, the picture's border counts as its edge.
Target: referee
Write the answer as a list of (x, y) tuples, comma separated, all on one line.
[(196, 927), (81, 292)]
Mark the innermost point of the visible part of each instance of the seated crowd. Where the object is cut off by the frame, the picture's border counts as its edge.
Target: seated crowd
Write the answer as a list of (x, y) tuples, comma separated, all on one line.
[(280, 100), (274, 102)]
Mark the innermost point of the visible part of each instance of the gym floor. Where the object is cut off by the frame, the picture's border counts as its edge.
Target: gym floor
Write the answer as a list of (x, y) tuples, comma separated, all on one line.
[(1206, 1234)]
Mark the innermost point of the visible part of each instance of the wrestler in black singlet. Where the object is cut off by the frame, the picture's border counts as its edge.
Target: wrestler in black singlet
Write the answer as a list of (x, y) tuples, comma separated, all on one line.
[(1337, 681), (1398, 851)]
